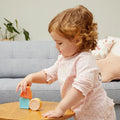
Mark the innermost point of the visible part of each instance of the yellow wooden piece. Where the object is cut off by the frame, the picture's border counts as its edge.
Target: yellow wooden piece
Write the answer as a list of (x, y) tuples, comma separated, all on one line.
[(35, 104), (11, 111)]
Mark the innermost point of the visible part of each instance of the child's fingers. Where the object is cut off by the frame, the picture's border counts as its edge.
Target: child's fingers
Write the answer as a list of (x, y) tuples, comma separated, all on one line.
[(24, 86), (47, 114), (17, 88), (51, 114)]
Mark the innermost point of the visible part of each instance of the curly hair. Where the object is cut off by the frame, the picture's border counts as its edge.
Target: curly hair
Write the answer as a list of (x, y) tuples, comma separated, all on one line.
[(76, 24)]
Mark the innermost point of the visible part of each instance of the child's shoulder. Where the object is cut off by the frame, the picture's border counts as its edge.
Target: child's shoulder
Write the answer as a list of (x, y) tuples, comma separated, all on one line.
[(86, 58), (86, 55)]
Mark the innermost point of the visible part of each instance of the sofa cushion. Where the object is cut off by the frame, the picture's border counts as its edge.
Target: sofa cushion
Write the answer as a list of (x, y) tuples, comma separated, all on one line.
[(19, 58), (113, 90), (43, 91), (109, 67), (11, 84)]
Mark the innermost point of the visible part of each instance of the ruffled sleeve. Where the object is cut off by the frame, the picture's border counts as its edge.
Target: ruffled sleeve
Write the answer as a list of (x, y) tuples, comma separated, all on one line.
[(85, 74), (51, 72)]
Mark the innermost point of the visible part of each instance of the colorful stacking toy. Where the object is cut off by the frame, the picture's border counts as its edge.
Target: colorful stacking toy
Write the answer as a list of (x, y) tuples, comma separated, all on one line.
[(35, 104), (27, 102), (24, 103), (25, 98), (27, 93)]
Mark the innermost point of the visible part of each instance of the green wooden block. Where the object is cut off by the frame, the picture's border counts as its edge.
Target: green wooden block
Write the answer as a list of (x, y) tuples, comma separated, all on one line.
[(24, 103)]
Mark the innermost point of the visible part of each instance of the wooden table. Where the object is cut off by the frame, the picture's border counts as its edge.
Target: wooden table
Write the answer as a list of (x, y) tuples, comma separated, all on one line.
[(11, 111)]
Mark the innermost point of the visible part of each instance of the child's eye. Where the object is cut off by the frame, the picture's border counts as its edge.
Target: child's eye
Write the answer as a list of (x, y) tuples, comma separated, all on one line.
[(59, 43)]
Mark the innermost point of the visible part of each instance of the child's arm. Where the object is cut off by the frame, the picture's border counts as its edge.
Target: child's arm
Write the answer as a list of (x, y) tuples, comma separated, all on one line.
[(70, 99), (38, 77), (67, 102)]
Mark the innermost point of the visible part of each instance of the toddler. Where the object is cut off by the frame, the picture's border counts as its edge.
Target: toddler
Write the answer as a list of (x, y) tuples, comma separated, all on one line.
[(75, 35)]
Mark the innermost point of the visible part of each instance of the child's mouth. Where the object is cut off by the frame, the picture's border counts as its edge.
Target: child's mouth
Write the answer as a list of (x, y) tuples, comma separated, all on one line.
[(59, 53)]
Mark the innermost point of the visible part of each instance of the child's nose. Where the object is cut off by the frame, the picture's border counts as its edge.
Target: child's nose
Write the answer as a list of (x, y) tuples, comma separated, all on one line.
[(56, 46)]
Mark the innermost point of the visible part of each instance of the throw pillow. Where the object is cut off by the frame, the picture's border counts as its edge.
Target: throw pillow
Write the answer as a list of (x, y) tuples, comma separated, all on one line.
[(103, 47), (116, 47), (109, 67)]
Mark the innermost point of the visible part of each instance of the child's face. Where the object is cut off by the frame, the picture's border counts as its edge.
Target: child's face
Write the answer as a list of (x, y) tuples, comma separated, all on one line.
[(65, 47)]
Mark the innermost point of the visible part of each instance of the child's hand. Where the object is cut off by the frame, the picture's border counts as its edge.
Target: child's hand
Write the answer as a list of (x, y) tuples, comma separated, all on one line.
[(54, 113), (27, 81)]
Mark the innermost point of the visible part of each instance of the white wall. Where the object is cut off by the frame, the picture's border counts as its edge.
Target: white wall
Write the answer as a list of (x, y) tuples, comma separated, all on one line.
[(35, 15)]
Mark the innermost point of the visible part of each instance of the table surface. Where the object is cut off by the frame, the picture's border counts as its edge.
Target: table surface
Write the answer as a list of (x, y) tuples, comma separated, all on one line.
[(11, 111)]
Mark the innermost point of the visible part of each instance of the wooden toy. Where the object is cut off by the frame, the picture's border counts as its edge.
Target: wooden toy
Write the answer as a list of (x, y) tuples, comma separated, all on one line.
[(24, 103), (35, 104), (27, 102), (27, 93)]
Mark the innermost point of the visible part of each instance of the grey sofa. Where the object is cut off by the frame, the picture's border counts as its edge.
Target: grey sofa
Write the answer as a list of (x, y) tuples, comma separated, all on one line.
[(20, 58)]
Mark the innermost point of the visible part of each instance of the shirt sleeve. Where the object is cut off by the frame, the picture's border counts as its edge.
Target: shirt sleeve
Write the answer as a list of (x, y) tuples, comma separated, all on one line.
[(85, 74), (51, 72)]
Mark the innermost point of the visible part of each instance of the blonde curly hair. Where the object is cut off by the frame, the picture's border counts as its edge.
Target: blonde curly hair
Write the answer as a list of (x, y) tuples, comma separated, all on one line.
[(76, 24)]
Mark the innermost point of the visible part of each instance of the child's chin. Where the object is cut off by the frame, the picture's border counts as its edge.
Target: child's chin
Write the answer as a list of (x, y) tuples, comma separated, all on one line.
[(65, 56), (60, 53)]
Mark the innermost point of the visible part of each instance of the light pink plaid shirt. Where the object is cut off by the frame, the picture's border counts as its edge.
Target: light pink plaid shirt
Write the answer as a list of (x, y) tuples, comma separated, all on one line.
[(81, 72)]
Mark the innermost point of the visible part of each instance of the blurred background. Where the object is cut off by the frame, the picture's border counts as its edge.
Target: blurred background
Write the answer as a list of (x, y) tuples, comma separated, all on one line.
[(35, 15)]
